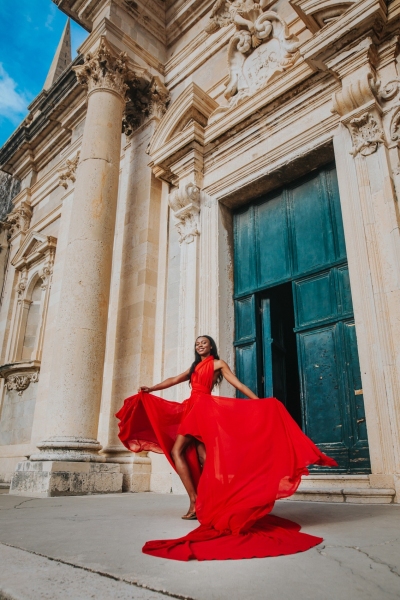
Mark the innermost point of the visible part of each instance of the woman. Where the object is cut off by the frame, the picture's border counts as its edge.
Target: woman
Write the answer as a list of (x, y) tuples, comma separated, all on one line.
[(256, 454)]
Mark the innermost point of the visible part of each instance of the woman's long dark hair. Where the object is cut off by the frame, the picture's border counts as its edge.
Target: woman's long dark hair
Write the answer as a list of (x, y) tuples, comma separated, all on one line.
[(197, 357)]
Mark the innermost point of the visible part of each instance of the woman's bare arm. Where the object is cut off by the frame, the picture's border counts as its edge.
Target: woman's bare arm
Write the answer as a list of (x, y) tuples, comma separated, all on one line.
[(233, 380), (167, 383)]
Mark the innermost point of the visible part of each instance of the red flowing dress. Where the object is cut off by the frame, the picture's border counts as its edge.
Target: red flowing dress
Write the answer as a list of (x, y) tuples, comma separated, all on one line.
[(256, 454)]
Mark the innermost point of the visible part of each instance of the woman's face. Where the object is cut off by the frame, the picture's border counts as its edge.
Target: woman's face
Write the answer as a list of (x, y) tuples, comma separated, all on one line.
[(203, 346)]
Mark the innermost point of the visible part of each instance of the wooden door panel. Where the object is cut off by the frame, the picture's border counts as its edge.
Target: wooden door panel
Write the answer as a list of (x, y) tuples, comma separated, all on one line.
[(272, 247), (315, 299), (245, 263), (245, 319), (246, 366), (311, 228), (267, 347), (345, 303), (331, 182), (320, 385)]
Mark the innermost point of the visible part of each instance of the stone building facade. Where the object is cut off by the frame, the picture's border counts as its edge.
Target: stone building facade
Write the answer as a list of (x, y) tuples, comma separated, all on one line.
[(229, 168)]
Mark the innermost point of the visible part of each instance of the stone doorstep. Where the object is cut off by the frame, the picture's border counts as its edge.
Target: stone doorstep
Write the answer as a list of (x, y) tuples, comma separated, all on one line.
[(351, 495)]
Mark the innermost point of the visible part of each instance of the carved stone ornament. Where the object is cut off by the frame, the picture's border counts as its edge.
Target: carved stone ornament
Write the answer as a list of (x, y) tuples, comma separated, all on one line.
[(104, 69), (21, 382), (67, 173), (144, 102), (20, 218), (260, 48), (366, 135), (185, 203), (395, 126), (19, 375)]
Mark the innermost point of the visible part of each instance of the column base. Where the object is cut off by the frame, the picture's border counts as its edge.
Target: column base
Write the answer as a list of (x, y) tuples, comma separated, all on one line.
[(43, 479), (136, 468)]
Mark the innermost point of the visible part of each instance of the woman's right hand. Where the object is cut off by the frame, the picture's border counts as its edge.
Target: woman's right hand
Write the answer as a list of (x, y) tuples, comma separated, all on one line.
[(144, 388)]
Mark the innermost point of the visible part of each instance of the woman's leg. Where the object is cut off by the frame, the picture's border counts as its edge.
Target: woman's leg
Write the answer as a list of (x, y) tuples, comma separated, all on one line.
[(182, 468), (201, 453)]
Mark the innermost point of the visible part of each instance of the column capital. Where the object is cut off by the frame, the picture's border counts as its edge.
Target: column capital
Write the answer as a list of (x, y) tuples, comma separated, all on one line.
[(105, 69), (19, 218), (145, 100)]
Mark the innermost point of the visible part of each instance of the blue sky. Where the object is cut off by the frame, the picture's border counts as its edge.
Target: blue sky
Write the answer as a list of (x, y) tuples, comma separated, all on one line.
[(29, 34)]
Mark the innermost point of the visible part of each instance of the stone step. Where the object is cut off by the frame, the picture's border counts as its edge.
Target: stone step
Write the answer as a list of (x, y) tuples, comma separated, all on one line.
[(4, 486), (348, 494)]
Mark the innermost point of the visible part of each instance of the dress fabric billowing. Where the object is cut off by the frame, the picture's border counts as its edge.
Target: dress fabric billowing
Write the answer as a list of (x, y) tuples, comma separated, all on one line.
[(256, 454)]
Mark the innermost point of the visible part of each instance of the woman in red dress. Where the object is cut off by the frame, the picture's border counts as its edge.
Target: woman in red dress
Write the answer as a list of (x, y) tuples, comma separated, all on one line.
[(256, 454)]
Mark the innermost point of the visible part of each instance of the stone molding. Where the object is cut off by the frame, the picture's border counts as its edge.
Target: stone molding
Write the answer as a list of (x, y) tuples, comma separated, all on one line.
[(67, 172), (316, 14), (19, 219), (19, 375), (69, 448), (104, 69), (260, 48), (185, 204), (37, 249)]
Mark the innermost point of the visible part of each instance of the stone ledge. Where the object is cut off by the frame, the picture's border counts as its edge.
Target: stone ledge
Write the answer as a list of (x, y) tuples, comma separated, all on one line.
[(349, 495), (44, 479)]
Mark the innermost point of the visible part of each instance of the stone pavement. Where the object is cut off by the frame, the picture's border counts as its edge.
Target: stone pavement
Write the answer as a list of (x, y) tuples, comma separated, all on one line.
[(79, 548)]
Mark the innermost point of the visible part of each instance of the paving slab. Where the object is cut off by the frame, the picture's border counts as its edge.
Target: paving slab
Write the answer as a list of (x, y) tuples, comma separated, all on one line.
[(358, 560), (27, 576)]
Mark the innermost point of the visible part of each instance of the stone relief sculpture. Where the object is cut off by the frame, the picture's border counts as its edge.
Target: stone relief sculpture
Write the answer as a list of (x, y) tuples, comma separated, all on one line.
[(260, 48)]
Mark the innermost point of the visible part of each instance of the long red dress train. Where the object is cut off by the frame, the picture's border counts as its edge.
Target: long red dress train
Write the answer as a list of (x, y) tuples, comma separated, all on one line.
[(256, 454)]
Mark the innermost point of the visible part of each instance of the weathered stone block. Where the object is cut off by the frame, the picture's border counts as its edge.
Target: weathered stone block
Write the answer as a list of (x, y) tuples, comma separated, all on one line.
[(57, 478)]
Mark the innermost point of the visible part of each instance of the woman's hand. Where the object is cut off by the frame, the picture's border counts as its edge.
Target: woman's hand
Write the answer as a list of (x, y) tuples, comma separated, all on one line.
[(165, 384)]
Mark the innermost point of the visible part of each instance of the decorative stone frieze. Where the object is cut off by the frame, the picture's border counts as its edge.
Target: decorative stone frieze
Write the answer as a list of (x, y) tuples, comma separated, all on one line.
[(104, 69), (259, 49), (67, 173), (185, 204), (366, 135), (20, 218)]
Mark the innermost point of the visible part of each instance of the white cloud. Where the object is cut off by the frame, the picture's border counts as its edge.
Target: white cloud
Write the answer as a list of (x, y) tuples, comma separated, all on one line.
[(50, 17), (13, 104)]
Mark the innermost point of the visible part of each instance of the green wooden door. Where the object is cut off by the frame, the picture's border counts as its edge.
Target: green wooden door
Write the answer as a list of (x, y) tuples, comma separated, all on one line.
[(295, 237)]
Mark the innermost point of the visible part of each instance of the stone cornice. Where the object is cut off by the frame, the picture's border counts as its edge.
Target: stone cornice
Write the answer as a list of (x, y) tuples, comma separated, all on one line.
[(26, 135), (180, 18), (364, 16)]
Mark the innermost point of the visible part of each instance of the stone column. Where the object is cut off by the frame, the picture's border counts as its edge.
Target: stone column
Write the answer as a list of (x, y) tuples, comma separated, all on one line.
[(77, 372)]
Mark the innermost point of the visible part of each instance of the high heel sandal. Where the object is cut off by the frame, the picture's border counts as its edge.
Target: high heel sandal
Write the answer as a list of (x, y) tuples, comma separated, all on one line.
[(190, 516)]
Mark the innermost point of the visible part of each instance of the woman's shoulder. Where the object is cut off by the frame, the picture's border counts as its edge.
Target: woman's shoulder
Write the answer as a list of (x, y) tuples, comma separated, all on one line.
[(219, 363)]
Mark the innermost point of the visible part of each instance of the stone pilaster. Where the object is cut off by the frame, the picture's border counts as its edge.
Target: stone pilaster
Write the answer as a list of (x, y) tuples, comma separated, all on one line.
[(370, 218)]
